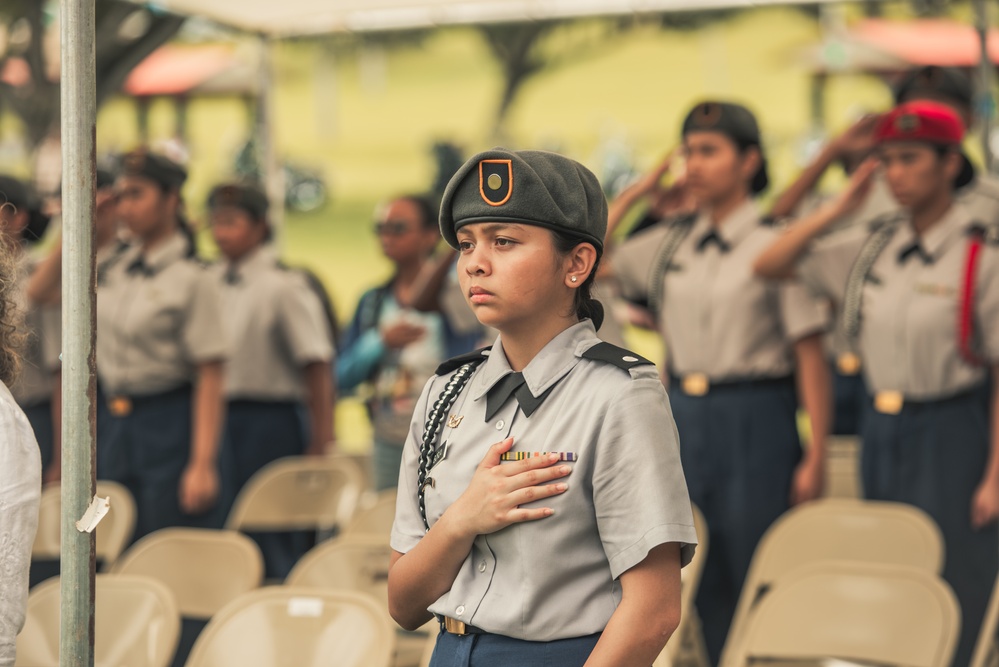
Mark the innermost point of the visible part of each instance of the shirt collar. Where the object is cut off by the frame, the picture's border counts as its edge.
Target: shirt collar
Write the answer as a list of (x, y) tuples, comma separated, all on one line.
[(551, 364), (256, 260), (942, 234), (734, 228), (168, 252)]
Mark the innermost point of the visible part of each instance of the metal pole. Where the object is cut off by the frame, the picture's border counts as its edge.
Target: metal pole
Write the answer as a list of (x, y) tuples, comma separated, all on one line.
[(79, 115), (272, 173), (986, 103)]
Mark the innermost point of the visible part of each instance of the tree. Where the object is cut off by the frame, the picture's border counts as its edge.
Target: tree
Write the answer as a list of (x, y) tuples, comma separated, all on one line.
[(125, 34)]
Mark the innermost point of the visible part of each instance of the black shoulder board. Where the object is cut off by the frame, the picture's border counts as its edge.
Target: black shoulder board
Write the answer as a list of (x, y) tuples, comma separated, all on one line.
[(618, 356), (988, 233), (455, 363)]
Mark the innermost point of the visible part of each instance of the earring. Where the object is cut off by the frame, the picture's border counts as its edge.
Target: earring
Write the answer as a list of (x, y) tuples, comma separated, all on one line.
[(573, 278)]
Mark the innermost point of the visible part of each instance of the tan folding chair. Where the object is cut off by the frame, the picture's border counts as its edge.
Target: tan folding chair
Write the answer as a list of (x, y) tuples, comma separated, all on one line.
[(687, 644), (284, 625), (203, 569), (113, 533), (986, 651), (136, 624), (376, 519), (349, 563), (298, 493), (869, 613)]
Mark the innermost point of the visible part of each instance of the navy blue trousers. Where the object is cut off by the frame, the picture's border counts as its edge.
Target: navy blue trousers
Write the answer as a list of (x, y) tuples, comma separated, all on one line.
[(40, 418), (499, 651), (850, 401), (739, 447), (147, 451), (257, 433), (933, 455)]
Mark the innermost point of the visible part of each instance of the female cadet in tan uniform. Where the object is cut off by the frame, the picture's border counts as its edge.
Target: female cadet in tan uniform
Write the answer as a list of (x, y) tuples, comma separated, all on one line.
[(920, 292), (735, 344), (560, 544), (37, 387), (281, 354), (160, 353)]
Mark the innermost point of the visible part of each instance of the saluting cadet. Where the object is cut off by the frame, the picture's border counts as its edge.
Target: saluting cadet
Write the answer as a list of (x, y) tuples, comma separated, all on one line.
[(542, 513), (735, 343), (920, 292), (161, 348), (37, 388), (281, 353)]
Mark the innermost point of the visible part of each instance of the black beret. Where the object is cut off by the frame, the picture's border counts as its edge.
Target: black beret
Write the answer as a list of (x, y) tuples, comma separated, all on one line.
[(248, 198), (157, 168), (527, 187), (737, 123), (935, 82)]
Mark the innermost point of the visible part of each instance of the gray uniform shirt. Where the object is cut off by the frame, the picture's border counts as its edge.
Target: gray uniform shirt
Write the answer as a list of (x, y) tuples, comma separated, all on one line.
[(157, 319), (718, 318), (275, 324), (558, 577), (908, 335), (41, 326)]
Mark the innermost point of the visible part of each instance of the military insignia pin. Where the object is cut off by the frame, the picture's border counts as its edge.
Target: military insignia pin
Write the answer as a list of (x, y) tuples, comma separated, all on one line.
[(496, 181), (907, 123), (453, 421)]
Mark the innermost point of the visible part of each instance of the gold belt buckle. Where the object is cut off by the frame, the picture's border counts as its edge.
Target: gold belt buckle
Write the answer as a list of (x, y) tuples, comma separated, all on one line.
[(889, 402), (848, 364), (120, 406), (454, 626), (696, 384)]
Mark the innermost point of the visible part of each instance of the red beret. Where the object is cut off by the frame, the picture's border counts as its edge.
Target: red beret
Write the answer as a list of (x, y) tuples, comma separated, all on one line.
[(923, 121)]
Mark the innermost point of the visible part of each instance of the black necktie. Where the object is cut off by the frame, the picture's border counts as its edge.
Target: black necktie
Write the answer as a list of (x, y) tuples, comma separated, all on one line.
[(513, 384), (914, 248), (139, 267), (232, 276), (713, 237)]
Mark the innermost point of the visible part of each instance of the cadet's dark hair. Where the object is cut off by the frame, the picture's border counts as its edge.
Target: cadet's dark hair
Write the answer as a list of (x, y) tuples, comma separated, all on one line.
[(583, 304), (426, 209)]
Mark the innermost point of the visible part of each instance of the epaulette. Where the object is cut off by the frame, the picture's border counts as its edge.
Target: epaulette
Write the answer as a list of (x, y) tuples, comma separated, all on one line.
[(885, 219), (616, 356), (988, 233), (453, 364)]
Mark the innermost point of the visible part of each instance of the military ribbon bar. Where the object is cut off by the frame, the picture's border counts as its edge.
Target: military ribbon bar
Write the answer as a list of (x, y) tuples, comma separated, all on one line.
[(521, 456)]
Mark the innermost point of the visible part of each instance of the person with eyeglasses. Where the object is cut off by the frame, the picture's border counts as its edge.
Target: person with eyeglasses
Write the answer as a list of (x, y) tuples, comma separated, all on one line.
[(390, 348)]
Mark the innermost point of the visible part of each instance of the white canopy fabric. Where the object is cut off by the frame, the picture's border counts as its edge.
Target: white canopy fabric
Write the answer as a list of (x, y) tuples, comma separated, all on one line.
[(289, 18)]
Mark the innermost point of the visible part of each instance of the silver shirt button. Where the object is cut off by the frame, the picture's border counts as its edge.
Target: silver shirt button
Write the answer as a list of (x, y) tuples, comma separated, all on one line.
[(460, 610), (482, 566), (500, 424), (629, 359)]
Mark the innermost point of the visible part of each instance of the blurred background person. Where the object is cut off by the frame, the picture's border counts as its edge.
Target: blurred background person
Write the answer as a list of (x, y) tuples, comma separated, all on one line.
[(278, 380), (736, 346), (390, 347), (161, 348), (20, 469), (38, 388)]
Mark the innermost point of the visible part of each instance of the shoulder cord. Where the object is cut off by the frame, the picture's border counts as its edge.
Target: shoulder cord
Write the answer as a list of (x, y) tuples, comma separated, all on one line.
[(657, 288), (854, 297), (966, 311), (432, 430)]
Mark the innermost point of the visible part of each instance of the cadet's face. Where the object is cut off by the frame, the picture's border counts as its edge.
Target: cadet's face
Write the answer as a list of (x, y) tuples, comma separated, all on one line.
[(143, 207), (401, 233), (916, 173), (510, 274), (235, 232), (715, 167)]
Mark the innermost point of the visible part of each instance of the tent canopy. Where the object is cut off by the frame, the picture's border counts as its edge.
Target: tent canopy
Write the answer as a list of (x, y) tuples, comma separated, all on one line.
[(290, 18)]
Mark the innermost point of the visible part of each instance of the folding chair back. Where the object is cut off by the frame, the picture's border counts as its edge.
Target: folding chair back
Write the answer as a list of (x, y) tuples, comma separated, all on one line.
[(348, 563), (861, 612), (986, 650), (136, 623), (836, 529), (283, 625), (203, 569), (298, 493)]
